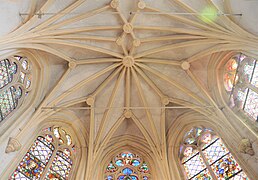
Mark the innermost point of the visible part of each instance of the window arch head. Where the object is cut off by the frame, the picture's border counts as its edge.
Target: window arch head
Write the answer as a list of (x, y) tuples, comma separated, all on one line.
[(15, 83), (127, 166), (241, 83), (51, 156), (204, 156)]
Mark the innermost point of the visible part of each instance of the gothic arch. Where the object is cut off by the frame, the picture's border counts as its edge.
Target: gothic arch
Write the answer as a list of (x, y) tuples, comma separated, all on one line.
[(215, 79), (126, 143), (193, 119), (39, 82), (71, 124)]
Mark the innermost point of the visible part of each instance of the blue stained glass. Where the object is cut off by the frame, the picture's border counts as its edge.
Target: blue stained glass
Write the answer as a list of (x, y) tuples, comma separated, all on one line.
[(127, 166), (127, 171), (134, 178), (109, 178), (119, 163), (135, 163), (121, 177)]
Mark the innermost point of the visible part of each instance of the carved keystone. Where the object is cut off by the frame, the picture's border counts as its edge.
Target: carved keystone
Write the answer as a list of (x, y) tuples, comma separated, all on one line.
[(141, 5), (114, 4), (136, 42), (90, 101), (128, 114), (128, 28), (128, 61), (165, 100), (72, 64), (185, 65)]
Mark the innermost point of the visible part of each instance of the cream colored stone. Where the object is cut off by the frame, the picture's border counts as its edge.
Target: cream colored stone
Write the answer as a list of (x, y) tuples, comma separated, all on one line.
[(141, 5), (128, 28), (13, 145), (185, 65), (128, 61)]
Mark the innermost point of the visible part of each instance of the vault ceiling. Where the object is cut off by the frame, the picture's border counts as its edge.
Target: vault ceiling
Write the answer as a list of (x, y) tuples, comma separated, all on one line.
[(126, 60)]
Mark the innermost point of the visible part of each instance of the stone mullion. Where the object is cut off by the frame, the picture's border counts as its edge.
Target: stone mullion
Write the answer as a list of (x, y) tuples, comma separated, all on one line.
[(49, 163), (207, 164)]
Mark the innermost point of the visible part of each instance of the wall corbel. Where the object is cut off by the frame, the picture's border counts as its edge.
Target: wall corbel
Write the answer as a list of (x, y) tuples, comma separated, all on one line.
[(13, 145), (245, 146)]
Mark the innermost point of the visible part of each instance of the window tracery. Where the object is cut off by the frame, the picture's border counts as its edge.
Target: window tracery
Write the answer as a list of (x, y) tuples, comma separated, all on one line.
[(204, 157), (50, 157), (241, 83), (15, 83), (127, 166)]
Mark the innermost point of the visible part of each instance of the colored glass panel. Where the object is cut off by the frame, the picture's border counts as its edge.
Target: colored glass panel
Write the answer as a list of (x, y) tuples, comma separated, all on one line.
[(31, 167), (255, 76), (240, 176), (134, 178), (42, 149), (135, 162), (241, 96), (111, 167), (230, 77), (7, 70), (194, 166), (189, 153), (127, 171), (226, 167), (8, 101), (144, 168), (35, 161), (109, 178), (127, 166), (9, 97), (215, 151), (245, 70), (251, 104), (248, 71), (19, 176), (61, 165), (203, 175)]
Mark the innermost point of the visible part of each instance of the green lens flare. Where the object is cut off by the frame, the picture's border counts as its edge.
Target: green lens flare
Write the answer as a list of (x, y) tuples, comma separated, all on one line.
[(209, 14)]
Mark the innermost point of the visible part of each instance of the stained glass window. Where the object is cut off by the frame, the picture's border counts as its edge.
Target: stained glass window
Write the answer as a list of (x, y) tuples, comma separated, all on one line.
[(15, 83), (204, 157), (51, 156), (127, 166), (241, 83)]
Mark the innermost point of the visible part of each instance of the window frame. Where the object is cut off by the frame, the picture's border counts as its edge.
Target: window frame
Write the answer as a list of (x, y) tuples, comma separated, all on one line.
[(57, 148), (199, 147)]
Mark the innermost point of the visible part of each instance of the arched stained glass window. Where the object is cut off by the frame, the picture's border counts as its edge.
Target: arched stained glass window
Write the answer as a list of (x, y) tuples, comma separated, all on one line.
[(205, 157), (15, 83), (50, 157), (241, 83), (127, 166)]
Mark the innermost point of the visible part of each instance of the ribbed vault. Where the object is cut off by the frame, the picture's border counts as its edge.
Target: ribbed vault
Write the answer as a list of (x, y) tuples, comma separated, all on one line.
[(117, 61)]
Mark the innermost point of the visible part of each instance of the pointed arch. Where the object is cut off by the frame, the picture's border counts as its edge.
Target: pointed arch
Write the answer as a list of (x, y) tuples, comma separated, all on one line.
[(52, 155), (225, 132), (126, 143), (75, 154), (204, 155), (30, 72), (229, 84)]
